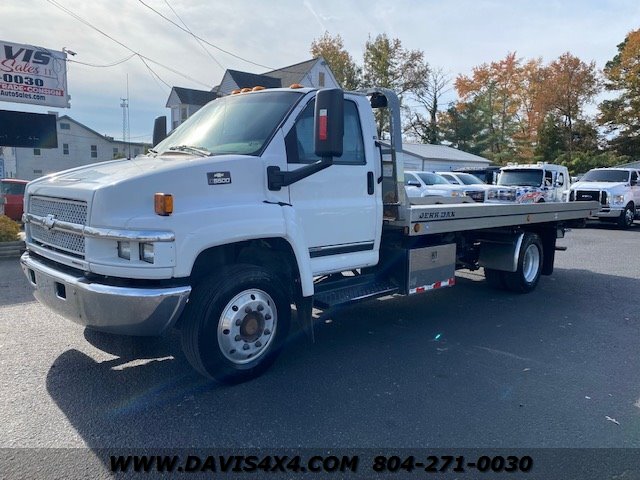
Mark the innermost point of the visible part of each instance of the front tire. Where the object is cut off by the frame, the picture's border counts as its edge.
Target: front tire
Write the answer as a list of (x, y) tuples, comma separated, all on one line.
[(530, 261), (236, 323), (626, 217)]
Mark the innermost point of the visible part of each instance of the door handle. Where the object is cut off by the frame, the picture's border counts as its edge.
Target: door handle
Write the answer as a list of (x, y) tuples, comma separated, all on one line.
[(370, 184)]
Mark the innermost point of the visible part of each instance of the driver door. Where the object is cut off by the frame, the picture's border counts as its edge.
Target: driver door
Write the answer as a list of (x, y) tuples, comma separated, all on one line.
[(339, 207)]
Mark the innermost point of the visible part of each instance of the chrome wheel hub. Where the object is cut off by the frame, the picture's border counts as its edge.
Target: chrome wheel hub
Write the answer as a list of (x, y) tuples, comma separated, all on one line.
[(247, 326), (531, 263)]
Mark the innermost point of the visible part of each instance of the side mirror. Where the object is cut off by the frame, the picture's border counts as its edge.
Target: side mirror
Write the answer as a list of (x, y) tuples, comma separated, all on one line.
[(329, 123), (159, 130), (412, 183)]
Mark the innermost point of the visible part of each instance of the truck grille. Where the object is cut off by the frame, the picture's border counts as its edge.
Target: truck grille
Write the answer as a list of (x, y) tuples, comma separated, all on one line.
[(65, 210), (477, 196), (591, 195)]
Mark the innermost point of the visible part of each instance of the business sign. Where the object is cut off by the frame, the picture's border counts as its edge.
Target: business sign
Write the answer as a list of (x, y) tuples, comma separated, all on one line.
[(33, 75), (28, 130)]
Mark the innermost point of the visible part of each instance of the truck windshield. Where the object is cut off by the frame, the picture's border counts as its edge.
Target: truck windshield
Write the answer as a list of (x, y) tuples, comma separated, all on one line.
[(469, 179), (529, 177), (12, 188), (236, 124), (432, 179), (613, 176)]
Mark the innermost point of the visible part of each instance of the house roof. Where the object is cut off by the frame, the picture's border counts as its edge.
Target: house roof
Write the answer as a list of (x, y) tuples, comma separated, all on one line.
[(190, 96), (630, 165), (250, 80), (105, 137), (441, 152), (293, 73)]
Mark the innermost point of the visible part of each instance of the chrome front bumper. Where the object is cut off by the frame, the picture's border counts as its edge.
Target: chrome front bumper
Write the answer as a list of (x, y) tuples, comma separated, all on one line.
[(121, 310), (609, 212)]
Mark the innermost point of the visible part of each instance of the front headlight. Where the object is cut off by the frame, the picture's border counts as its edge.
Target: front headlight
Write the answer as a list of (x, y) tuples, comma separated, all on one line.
[(456, 194), (124, 250), (618, 199), (146, 252)]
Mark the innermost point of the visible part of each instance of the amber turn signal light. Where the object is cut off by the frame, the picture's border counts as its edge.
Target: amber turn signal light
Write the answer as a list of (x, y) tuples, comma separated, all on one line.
[(163, 203)]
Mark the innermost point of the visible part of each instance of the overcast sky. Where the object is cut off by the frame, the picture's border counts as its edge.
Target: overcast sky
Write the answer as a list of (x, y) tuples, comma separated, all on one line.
[(455, 35)]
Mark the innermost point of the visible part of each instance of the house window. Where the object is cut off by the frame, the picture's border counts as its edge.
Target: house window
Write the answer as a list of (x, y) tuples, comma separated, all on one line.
[(136, 152), (37, 172), (321, 79), (65, 149), (36, 151), (115, 152), (183, 113), (65, 126), (94, 151)]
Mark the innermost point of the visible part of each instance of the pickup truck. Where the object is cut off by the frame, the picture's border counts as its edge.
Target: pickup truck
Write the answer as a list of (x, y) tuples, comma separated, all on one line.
[(617, 191), (431, 184), (261, 201)]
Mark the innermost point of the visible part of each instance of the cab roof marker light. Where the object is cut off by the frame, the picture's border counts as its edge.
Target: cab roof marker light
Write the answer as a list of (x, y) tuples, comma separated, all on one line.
[(245, 90), (257, 88), (296, 85)]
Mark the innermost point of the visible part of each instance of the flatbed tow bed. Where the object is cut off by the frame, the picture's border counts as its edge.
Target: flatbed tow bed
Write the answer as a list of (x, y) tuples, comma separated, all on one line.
[(432, 219)]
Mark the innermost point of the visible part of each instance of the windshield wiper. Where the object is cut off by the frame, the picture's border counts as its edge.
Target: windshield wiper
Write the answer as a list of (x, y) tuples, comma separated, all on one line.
[(203, 152)]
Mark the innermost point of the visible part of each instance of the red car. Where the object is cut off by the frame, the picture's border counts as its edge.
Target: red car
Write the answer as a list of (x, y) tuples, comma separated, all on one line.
[(12, 197)]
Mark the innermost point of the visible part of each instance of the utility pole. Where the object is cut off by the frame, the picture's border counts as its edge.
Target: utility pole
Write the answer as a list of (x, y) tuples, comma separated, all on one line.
[(125, 117), (125, 122)]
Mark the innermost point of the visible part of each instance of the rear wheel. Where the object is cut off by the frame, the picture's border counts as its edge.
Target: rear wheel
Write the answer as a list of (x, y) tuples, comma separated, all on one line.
[(626, 217), (236, 323), (525, 278)]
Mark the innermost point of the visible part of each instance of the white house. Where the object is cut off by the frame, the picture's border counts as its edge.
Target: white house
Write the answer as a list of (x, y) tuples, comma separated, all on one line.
[(427, 157), (184, 102), (77, 145)]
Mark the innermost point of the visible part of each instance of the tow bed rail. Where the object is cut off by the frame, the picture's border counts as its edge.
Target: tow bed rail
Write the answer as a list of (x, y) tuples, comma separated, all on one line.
[(431, 219)]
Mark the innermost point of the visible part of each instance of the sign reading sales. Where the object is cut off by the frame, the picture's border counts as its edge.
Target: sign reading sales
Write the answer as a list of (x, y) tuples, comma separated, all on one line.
[(33, 75)]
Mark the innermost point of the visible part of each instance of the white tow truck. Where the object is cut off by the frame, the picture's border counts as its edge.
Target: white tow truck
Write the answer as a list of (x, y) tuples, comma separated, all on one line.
[(260, 201), (532, 183)]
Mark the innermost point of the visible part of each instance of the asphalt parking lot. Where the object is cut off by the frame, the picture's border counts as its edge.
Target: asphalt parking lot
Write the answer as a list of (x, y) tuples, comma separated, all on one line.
[(462, 367)]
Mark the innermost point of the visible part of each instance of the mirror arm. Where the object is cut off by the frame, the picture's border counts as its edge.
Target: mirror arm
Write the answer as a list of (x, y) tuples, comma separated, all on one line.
[(276, 178)]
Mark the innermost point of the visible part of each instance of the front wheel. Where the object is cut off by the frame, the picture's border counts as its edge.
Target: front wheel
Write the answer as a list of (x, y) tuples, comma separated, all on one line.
[(626, 217), (525, 278), (236, 323)]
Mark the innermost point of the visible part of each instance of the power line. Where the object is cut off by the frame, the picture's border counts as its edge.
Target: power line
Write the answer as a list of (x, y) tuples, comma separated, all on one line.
[(194, 36), (103, 66), (202, 39), (142, 57)]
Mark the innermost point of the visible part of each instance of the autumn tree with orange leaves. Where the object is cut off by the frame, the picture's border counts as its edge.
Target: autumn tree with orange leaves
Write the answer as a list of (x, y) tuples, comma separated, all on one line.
[(517, 98)]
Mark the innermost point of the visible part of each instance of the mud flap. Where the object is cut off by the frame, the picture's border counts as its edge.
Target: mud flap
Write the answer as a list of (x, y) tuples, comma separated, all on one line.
[(304, 315)]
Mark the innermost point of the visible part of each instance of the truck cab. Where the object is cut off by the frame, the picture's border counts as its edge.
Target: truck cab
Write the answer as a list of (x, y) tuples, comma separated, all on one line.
[(533, 183)]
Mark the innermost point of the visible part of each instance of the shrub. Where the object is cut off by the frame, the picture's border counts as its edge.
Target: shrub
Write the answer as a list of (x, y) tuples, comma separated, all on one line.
[(9, 229)]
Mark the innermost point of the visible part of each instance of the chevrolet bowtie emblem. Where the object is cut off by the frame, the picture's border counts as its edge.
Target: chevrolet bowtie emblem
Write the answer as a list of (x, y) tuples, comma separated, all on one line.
[(49, 221)]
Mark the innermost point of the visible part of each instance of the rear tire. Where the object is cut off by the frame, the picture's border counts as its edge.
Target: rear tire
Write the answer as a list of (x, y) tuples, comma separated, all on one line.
[(236, 323), (530, 261)]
